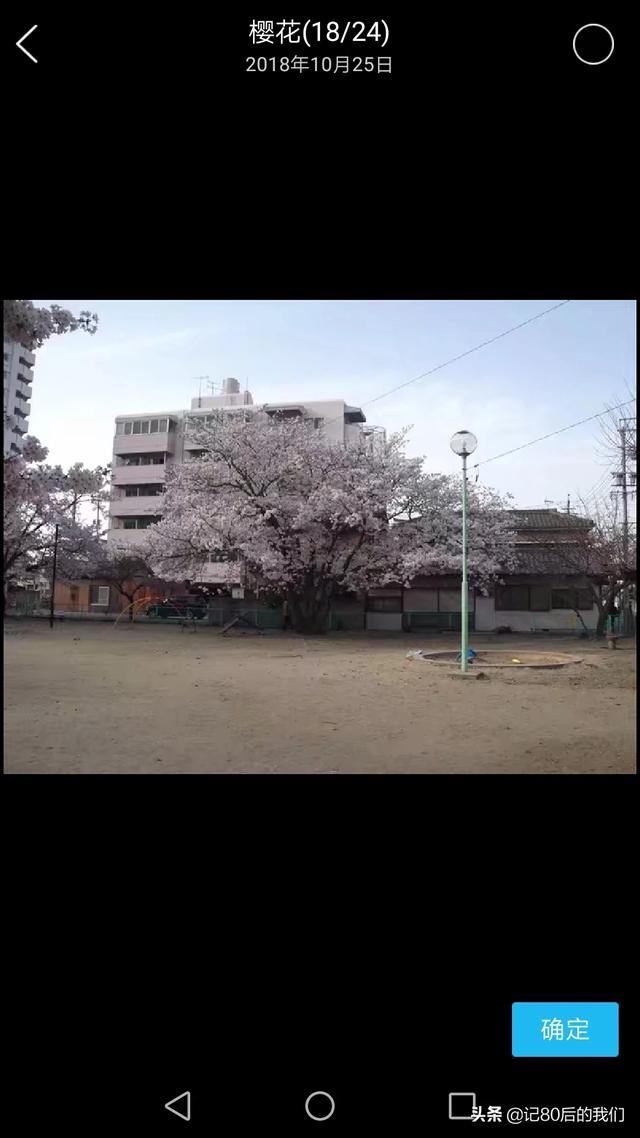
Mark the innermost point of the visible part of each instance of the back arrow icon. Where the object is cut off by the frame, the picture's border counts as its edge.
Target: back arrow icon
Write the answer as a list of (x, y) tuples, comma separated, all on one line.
[(185, 1104), (19, 43)]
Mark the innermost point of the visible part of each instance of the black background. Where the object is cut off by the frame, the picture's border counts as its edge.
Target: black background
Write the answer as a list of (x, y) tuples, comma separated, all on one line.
[(256, 940), (253, 940)]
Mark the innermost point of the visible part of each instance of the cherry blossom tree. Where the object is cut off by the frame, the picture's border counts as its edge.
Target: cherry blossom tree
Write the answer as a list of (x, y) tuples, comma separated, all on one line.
[(37, 497), (602, 555), (31, 326), (311, 519)]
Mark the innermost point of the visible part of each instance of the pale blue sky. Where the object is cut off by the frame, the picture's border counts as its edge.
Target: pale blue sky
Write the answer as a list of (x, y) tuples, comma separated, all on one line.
[(561, 368)]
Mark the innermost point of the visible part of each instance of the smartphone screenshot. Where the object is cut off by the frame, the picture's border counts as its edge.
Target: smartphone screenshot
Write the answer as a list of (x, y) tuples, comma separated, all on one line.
[(320, 508)]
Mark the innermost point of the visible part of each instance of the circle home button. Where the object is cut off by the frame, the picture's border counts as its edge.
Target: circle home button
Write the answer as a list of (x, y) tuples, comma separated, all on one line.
[(320, 1106)]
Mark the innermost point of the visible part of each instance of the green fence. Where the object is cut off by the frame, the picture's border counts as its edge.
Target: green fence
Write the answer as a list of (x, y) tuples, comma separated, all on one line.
[(261, 618)]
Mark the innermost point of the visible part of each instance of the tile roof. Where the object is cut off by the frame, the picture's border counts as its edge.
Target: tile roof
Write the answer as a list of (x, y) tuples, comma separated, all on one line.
[(547, 520), (554, 559)]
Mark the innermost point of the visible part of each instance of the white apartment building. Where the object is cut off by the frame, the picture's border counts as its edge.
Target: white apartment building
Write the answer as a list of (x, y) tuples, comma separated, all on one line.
[(18, 377), (145, 445)]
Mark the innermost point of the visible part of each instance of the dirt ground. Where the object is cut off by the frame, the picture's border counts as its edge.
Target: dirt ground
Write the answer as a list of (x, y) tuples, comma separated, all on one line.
[(87, 698)]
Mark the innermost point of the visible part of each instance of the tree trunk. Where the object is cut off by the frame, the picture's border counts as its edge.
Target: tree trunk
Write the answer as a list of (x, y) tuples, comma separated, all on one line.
[(309, 611), (581, 619), (602, 620), (130, 600), (605, 609)]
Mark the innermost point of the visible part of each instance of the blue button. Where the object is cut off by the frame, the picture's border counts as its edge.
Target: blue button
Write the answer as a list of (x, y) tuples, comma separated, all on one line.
[(556, 1031)]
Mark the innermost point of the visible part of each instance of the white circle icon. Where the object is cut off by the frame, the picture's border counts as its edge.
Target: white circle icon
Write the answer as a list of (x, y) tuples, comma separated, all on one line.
[(593, 62), (320, 1106)]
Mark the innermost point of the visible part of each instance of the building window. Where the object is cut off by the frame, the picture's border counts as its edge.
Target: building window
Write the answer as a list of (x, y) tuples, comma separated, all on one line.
[(572, 599), (140, 523), (149, 491), (145, 427), (450, 600), (143, 460), (512, 598), (384, 604), (539, 598), (99, 595)]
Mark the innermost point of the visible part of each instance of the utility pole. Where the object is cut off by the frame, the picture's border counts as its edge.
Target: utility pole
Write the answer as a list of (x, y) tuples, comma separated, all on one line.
[(623, 479)]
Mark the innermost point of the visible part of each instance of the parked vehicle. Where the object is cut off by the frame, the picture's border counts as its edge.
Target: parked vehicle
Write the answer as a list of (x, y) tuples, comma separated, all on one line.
[(185, 608)]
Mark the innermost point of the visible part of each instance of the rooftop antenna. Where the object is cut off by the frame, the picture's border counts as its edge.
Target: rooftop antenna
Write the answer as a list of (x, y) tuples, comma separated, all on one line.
[(568, 503), (200, 378)]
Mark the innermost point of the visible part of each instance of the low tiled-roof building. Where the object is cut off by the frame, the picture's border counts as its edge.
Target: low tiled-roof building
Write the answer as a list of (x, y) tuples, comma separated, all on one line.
[(541, 593)]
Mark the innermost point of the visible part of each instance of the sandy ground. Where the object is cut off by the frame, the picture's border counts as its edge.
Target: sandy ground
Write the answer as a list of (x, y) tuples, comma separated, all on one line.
[(91, 699)]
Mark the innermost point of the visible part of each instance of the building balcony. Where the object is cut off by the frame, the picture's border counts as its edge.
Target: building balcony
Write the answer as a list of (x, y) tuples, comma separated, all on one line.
[(134, 507), (284, 410), (145, 444), (125, 537), (190, 444), (137, 475)]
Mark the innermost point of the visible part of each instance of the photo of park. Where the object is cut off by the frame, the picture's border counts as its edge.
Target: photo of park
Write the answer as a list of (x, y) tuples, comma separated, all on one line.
[(432, 572)]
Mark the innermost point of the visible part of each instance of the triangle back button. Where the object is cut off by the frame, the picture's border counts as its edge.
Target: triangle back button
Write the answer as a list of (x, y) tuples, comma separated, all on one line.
[(180, 1105)]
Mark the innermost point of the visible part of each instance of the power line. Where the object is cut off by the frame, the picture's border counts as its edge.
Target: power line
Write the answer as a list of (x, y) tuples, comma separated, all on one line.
[(469, 352), (596, 490), (551, 434), (454, 359)]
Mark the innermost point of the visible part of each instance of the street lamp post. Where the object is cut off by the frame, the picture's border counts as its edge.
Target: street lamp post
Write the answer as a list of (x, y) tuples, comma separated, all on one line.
[(464, 443)]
